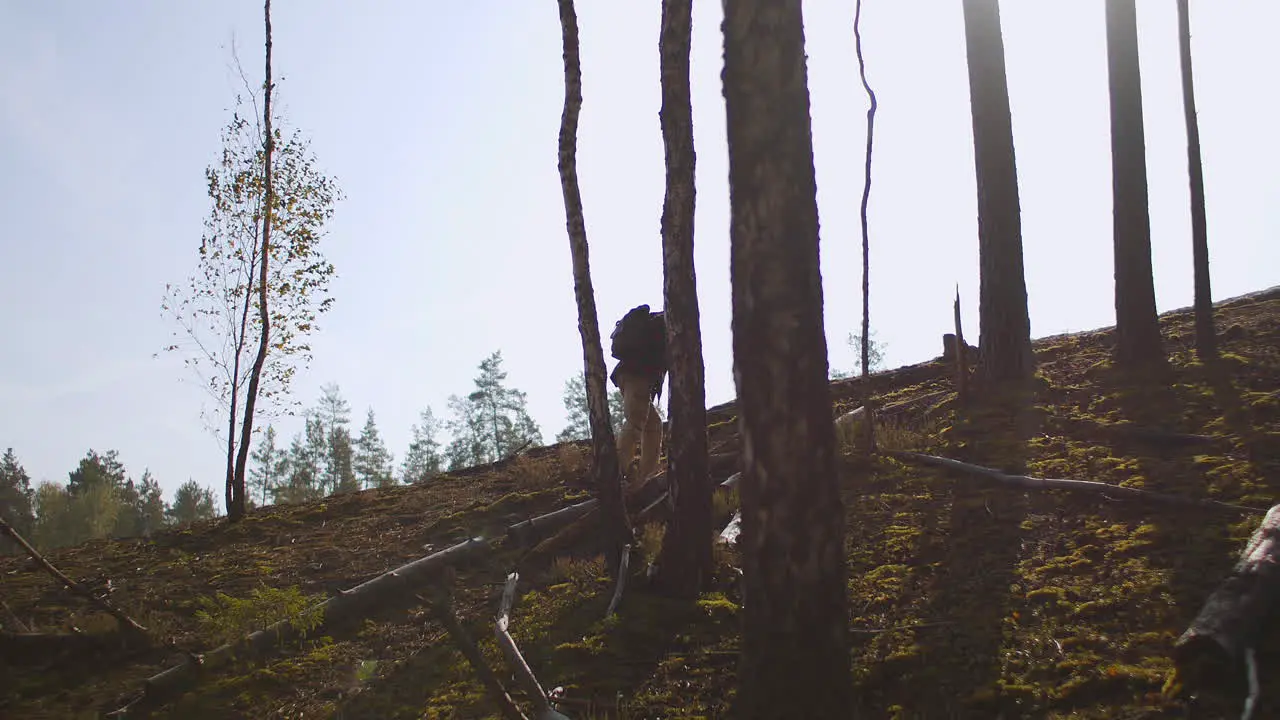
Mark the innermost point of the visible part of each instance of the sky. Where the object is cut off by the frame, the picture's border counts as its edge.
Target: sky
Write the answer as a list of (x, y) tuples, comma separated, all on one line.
[(440, 123)]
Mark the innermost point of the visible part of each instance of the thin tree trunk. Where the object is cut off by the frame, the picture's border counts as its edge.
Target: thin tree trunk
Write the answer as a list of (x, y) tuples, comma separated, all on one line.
[(1004, 327), (615, 527), (795, 660), (241, 337), (866, 239), (1206, 337), (237, 510), (685, 562), (1137, 327)]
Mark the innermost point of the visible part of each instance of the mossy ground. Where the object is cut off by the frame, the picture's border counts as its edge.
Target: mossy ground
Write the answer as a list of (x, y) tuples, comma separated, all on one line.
[(966, 600)]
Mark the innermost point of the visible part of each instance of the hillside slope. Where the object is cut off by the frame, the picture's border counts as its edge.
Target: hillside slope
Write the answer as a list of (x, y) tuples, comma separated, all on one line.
[(966, 600)]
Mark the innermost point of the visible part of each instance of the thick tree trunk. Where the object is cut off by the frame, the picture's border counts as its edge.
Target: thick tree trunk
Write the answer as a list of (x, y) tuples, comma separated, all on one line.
[(795, 660), (685, 561), (615, 527), (1004, 327), (1137, 327), (236, 510), (1206, 337)]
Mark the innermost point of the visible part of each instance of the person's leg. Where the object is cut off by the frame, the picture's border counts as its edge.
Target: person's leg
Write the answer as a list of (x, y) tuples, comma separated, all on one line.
[(650, 444), (635, 407)]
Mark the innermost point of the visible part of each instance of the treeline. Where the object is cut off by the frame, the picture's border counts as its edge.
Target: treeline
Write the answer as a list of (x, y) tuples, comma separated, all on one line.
[(487, 424), (328, 456), (99, 500)]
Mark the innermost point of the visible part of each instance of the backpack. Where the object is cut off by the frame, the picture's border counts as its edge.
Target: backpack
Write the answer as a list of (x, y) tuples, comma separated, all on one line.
[(640, 337)]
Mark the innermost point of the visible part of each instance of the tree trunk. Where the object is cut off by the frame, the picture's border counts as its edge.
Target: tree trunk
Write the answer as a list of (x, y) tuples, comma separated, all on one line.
[(1211, 654), (1004, 327), (1206, 337), (1137, 327), (684, 565), (615, 527), (795, 660), (236, 510), (866, 241)]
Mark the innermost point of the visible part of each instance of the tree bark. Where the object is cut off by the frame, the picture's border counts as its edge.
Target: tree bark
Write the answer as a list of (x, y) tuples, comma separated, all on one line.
[(1211, 653), (795, 660), (1206, 336), (1004, 327), (1137, 326), (236, 510), (684, 564), (615, 527)]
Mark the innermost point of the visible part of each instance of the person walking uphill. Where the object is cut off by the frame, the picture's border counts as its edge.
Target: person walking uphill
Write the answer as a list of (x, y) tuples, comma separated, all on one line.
[(639, 343)]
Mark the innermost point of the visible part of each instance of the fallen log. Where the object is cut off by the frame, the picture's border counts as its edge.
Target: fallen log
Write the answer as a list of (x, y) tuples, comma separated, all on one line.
[(132, 628), (441, 605), (730, 534), (519, 667), (1213, 652), (343, 606), (1088, 486), (528, 532), (523, 533)]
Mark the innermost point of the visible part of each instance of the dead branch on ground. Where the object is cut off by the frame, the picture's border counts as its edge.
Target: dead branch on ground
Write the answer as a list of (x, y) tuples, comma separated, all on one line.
[(441, 605), (516, 662), (1089, 486), (344, 606), (730, 534), (622, 580), (137, 631)]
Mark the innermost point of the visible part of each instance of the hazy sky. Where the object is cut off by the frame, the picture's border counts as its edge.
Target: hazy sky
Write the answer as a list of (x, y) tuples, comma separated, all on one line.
[(440, 121)]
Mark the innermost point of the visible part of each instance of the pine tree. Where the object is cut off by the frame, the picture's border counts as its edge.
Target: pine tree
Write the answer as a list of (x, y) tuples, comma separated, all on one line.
[(493, 421), (422, 460), (152, 509), (575, 406), (795, 652), (372, 461), (334, 415), (1004, 323), (1138, 342), (269, 468), (191, 503), (16, 498), (300, 471)]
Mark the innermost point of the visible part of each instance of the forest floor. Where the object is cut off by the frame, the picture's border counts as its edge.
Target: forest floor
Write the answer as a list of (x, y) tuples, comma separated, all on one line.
[(966, 599)]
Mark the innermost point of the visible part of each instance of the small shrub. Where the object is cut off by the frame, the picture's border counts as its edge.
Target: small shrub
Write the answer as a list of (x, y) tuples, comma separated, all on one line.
[(225, 618), (533, 474), (580, 571)]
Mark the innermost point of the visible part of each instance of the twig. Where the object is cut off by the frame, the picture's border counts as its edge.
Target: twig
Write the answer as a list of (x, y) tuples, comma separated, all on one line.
[(127, 622), (1090, 486), (441, 605), (1251, 702), (12, 619), (622, 580), (524, 674)]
